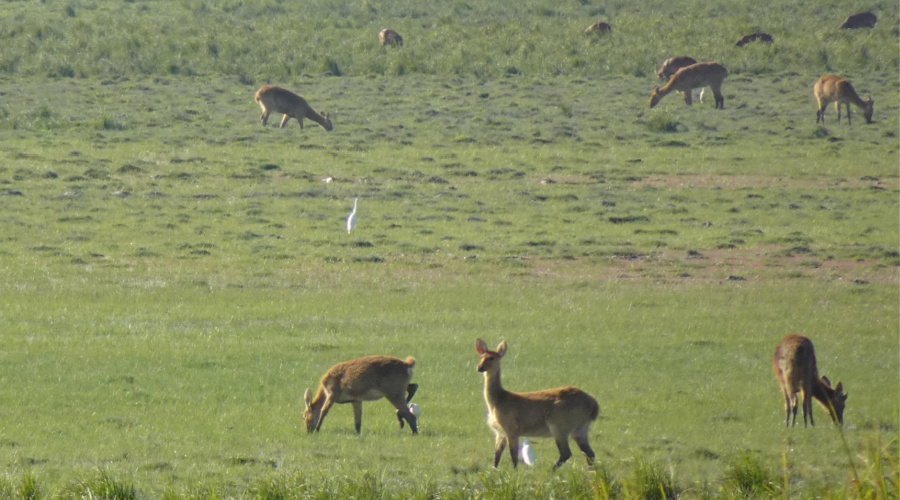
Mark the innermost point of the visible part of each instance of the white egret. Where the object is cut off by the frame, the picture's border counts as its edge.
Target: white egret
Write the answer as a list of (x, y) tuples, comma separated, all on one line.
[(527, 453), (414, 409), (351, 219)]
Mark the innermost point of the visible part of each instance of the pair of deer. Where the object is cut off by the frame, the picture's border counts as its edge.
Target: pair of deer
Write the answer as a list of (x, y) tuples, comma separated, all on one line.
[(560, 413), (684, 74)]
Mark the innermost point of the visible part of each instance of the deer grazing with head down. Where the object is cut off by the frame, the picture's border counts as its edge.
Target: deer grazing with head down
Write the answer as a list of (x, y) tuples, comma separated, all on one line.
[(795, 368), (860, 20), (364, 379), (389, 37), (272, 98), (695, 76), (558, 413), (832, 88)]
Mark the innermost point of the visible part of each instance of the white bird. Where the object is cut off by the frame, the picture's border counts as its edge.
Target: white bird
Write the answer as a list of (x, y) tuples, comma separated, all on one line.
[(351, 219), (414, 409), (527, 453)]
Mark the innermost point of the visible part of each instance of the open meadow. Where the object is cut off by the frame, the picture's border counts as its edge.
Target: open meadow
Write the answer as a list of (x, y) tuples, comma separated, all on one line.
[(176, 275)]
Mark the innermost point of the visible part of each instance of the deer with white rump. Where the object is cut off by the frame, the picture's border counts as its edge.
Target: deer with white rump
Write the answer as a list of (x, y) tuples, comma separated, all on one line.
[(272, 98), (558, 413), (364, 379)]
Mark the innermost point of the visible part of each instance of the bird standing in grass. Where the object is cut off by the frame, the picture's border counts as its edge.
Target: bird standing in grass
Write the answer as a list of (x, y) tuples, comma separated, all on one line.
[(351, 219)]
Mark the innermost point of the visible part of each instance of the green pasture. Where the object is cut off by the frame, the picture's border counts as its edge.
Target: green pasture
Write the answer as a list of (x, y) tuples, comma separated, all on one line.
[(177, 275)]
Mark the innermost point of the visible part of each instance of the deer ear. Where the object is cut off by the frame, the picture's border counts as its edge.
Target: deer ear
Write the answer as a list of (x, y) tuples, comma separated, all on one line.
[(656, 89), (839, 388), (306, 398), (825, 379), (501, 349), (480, 346)]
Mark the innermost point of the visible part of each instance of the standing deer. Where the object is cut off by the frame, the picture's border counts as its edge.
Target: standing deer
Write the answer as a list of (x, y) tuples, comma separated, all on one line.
[(832, 88), (364, 379), (860, 20), (390, 37), (272, 98), (558, 413), (795, 368), (670, 66), (693, 77)]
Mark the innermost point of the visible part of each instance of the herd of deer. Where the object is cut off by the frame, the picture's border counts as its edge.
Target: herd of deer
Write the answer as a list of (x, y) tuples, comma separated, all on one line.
[(681, 74), (561, 413)]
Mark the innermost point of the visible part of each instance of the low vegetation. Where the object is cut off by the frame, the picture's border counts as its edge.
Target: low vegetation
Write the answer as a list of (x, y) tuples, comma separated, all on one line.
[(176, 275)]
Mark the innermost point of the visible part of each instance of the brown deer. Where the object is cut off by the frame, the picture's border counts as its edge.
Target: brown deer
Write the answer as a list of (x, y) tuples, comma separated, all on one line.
[(860, 20), (364, 379), (389, 37), (832, 88), (755, 37), (559, 413), (600, 28), (693, 77), (671, 65), (272, 98), (794, 364)]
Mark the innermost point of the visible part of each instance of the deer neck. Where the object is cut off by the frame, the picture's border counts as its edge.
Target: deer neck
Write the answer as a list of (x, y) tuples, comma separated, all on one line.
[(316, 117), (824, 395), (493, 388)]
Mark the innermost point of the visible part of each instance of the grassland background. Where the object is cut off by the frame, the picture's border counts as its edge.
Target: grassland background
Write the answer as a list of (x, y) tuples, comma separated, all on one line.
[(175, 275)]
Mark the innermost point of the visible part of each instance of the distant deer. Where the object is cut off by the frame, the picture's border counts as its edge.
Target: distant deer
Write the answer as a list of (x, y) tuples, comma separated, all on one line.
[(670, 66), (389, 37), (755, 37), (272, 98), (693, 77), (832, 88), (860, 20), (598, 28), (795, 368), (364, 379), (558, 413)]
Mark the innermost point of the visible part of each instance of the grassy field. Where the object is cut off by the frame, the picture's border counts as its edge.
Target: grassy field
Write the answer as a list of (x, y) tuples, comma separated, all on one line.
[(176, 275)]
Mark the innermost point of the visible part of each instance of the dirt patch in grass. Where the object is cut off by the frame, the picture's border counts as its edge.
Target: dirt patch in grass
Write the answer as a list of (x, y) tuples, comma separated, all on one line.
[(700, 181)]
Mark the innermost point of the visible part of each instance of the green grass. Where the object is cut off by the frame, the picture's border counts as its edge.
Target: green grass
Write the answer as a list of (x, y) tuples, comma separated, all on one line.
[(176, 275)]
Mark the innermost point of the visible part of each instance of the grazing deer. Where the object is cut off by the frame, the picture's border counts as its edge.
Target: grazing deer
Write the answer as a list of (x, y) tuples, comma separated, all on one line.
[(795, 368), (860, 20), (364, 379), (272, 98), (832, 88), (755, 37), (558, 413), (670, 66), (693, 77), (390, 37), (598, 28)]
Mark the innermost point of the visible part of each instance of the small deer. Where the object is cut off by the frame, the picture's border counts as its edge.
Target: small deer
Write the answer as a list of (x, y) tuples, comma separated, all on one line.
[(272, 98), (558, 413), (860, 20), (364, 379), (795, 368), (670, 66), (755, 37), (832, 88), (600, 28), (389, 37), (693, 77)]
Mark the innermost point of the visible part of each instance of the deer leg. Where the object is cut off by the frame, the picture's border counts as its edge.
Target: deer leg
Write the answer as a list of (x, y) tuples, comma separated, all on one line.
[(284, 120), (581, 439), (499, 446), (264, 118), (357, 413), (848, 114), (403, 412), (565, 453), (687, 97), (410, 392), (720, 99), (837, 106), (513, 450), (325, 407)]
